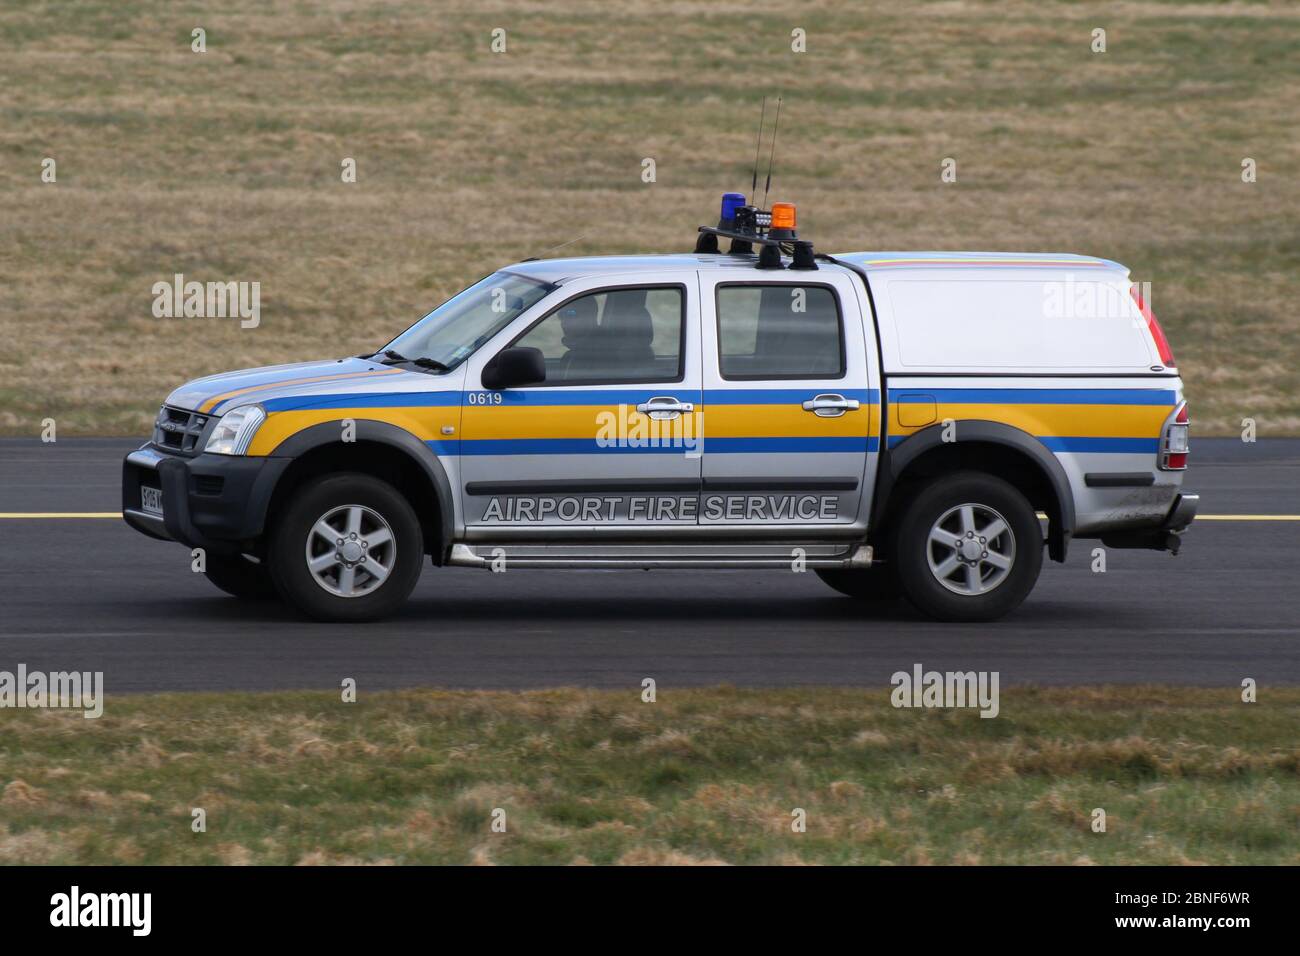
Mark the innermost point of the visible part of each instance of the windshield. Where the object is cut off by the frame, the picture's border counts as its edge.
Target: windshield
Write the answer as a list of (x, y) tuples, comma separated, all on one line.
[(457, 328)]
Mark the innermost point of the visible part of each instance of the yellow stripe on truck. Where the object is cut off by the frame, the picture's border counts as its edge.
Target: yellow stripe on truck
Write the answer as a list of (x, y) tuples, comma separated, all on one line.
[(787, 421), (1082, 421), (550, 421), (424, 422), (720, 421)]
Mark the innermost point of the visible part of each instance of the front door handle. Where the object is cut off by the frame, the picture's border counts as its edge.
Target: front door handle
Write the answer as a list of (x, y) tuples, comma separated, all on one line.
[(662, 407), (831, 405)]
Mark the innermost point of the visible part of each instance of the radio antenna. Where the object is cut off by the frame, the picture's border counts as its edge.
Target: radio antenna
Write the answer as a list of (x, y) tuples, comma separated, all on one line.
[(758, 146), (554, 248), (776, 128)]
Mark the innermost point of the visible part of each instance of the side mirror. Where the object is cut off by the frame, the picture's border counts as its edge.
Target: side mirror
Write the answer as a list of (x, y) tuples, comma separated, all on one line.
[(513, 367)]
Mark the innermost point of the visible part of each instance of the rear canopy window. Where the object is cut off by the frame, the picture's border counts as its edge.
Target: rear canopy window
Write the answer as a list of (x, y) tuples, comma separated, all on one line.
[(1051, 323)]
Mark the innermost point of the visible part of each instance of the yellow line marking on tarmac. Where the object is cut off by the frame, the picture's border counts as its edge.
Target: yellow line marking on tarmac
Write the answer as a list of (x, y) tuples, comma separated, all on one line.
[(1247, 518), (60, 514)]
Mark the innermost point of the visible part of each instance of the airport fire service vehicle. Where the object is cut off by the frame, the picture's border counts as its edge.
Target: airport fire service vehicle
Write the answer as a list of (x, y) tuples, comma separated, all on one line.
[(914, 424)]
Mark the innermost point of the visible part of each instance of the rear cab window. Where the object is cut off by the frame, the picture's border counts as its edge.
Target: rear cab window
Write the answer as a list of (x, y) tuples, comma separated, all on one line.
[(779, 331)]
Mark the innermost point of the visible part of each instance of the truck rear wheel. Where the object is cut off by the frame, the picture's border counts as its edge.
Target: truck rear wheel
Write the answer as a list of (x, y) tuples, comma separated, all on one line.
[(969, 548), (347, 548), (240, 576)]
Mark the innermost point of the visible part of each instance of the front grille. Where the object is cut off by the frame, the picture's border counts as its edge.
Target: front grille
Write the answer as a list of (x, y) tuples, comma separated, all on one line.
[(209, 484), (178, 429)]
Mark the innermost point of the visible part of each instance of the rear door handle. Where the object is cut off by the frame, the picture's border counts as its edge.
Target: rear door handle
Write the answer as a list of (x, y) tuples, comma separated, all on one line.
[(831, 405), (664, 406)]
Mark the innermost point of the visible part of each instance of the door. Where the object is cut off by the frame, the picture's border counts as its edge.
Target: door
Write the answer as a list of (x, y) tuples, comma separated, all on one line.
[(789, 412), (610, 441)]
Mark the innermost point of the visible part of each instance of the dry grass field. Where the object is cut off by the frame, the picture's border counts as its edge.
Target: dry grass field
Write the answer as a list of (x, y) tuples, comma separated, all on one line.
[(225, 165), (701, 776)]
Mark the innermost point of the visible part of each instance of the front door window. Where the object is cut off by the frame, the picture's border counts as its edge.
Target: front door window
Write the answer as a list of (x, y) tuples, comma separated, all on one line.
[(620, 336)]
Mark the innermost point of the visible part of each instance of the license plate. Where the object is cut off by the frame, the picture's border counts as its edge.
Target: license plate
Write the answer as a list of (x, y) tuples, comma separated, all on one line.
[(151, 500)]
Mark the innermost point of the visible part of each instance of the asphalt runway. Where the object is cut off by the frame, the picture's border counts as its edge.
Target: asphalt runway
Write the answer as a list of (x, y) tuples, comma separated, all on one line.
[(90, 594)]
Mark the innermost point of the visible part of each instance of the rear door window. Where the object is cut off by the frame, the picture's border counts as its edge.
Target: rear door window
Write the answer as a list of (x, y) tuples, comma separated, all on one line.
[(774, 331)]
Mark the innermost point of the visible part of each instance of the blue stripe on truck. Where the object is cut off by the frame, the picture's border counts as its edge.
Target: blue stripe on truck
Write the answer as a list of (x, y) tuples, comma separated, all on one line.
[(1035, 396)]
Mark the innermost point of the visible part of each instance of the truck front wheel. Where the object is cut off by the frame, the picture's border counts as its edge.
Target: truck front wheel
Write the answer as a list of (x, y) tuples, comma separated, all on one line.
[(969, 548), (348, 547)]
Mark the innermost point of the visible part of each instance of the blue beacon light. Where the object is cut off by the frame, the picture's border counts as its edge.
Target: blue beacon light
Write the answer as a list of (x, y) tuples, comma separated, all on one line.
[(730, 203)]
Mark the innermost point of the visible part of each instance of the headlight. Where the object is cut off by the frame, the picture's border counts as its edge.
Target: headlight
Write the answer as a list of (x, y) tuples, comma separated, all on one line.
[(235, 430)]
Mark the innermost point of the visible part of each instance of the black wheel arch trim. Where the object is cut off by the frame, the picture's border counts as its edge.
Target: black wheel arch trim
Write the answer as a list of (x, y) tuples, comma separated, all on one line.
[(897, 459), (370, 430)]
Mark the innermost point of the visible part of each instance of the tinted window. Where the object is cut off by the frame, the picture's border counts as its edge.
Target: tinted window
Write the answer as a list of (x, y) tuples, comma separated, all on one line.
[(623, 335), (779, 331)]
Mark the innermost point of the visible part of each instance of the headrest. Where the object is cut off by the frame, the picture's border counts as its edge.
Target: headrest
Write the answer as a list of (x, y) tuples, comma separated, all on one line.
[(578, 321), (584, 308), (777, 323), (627, 320)]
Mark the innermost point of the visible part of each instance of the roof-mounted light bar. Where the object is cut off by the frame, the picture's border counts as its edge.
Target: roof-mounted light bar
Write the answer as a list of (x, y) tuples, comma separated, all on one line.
[(747, 226)]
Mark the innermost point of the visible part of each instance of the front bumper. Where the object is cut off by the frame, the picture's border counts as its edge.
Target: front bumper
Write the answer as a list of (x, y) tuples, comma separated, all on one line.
[(215, 502), (1167, 536)]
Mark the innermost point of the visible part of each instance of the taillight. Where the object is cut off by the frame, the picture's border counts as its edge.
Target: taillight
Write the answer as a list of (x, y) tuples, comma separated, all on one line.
[(1157, 333), (1175, 442)]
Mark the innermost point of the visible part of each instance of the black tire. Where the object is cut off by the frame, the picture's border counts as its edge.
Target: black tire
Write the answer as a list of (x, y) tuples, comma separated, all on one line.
[(286, 554), (238, 575), (913, 550), (878, 583)]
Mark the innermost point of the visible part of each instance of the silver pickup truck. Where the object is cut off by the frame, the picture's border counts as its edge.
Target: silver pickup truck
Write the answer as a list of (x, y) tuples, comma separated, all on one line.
[(914, 424)]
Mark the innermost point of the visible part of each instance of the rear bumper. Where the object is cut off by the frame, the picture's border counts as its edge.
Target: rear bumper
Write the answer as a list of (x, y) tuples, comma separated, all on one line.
[(1165, 537), (215, 502)]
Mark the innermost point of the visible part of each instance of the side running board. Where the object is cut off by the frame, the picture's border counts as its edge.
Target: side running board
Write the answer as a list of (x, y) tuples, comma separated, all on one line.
[(650, 556)]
